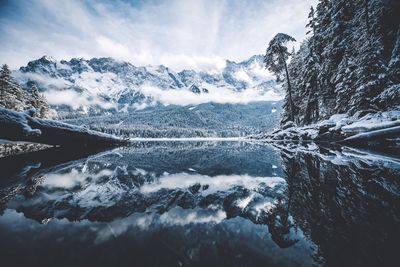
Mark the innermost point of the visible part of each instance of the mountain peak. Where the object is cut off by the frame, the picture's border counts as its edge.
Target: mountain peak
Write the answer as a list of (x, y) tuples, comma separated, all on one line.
[(48, 58)]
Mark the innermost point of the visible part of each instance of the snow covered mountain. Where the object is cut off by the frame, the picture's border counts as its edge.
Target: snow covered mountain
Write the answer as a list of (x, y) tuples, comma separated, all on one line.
[(104, 84)]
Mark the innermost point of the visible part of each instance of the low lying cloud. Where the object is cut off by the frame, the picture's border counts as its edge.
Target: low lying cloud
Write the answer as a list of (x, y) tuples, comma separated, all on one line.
[(44, 81), (216, 95), (75, 100)]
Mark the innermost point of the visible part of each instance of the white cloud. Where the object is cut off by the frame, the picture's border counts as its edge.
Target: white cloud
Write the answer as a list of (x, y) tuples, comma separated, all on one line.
[(74, 99), (176, 33), (114, 49), (43, 80), (200, 63), (216, 95)]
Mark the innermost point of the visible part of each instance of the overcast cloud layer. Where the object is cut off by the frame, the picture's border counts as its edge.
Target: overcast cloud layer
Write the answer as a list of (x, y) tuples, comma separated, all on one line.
[(177, 33)]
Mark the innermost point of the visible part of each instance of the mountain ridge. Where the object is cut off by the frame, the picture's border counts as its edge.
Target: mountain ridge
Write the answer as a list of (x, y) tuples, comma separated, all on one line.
[(101, 85)]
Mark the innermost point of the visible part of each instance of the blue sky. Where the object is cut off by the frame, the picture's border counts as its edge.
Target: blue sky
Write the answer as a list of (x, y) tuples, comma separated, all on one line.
[(177, 33)]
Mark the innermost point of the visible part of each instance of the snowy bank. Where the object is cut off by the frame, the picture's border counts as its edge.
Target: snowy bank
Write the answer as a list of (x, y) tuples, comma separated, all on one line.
[(373, 129), (23, 126)]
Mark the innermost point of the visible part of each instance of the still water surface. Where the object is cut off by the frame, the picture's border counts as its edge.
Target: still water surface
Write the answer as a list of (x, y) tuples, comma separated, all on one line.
[(199, 204)]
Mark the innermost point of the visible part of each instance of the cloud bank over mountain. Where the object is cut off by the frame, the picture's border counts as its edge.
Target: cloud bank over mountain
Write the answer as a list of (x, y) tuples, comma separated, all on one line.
[(107, 83)]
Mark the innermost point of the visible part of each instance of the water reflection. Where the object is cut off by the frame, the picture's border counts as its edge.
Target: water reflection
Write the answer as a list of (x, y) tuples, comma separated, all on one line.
[(168, 204), (347, 202)]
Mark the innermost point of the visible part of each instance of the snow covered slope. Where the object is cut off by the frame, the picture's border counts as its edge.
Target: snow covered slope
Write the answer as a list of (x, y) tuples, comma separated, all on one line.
[(99, 84)]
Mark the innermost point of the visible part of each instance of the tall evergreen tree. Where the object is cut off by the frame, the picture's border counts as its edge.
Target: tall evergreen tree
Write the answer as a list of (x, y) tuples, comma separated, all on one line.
[(275, 60), (11, 94), (39, 102), (312, 64), (34, 101)]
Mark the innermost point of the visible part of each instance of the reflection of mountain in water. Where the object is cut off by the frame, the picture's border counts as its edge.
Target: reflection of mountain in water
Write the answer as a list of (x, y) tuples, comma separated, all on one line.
[(225, 179), (206, 203)]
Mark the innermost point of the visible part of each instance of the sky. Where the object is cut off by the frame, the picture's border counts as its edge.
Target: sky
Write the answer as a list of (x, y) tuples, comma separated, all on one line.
[(181, 34)]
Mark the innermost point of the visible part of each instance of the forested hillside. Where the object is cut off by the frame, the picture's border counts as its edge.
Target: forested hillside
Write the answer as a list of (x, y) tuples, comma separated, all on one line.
[(204, 120), (349, 64)]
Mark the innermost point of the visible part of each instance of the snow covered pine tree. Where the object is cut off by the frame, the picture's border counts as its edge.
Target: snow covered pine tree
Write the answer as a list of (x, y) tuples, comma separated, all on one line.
[(275, 60), (11, 95), (350, 64)]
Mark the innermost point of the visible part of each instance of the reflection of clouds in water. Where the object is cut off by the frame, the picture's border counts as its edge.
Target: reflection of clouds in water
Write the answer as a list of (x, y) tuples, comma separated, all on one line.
[(103, 192), (179, 216), (88, 189), (174, 217), (72, 178), (215, 183), (92, 192)]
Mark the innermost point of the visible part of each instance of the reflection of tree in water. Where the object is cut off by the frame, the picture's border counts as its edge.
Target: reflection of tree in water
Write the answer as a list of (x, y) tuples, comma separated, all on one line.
[(350, 211), (279, 220)]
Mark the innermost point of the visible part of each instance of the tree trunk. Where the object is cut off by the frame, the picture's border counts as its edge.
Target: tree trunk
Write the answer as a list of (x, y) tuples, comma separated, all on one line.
[(290, 93), (20, 126), (312, 99), (366, 16), (307, 116)]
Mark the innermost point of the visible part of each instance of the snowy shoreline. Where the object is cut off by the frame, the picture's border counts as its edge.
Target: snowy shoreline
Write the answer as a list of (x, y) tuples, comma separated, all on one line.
[(371, 130), (188, 139)]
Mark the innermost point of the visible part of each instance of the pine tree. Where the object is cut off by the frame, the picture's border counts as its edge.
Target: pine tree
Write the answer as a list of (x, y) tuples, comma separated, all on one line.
[(38, 101), (10, 92), (370, 75), (312, 64), (44, 107), (34, 98), (275, 60)]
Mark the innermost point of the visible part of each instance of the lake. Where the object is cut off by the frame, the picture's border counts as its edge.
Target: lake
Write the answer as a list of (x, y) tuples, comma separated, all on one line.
[(200, 203)]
